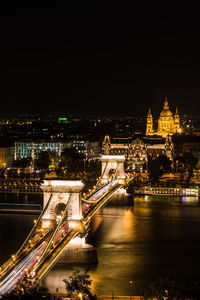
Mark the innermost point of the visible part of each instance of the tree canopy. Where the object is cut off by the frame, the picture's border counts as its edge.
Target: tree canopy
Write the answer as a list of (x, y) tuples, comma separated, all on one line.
[(28, 291), (165, 288), (79, 283), (189, 162), (154, 169), (43, 160), (22, 162), (170, 289), (165, 163), (72, 160), (158, 166)]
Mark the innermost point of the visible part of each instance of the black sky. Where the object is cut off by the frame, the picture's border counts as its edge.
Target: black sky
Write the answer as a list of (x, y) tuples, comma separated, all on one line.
[(81, 59)]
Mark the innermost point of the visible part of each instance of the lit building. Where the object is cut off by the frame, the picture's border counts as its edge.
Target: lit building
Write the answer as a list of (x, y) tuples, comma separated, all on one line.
[(168, 124), (91, 150), (62, 120), (138, 150), (6, 157), (32, 149)]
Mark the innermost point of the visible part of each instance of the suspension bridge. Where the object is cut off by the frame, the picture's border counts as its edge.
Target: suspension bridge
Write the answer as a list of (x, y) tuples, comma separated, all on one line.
[(65, 217)]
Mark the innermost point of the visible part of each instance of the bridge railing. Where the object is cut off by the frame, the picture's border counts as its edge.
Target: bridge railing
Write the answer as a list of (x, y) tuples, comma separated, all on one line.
[(20, 187), (89, 214)]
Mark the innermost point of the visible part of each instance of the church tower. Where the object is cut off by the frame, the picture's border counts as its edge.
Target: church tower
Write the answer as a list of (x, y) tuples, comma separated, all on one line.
[(177, 128), (149, 127), (106, 145), (168, 124), (165, 121)]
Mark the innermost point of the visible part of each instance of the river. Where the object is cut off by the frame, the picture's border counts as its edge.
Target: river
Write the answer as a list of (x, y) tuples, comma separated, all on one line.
[(156, 237)]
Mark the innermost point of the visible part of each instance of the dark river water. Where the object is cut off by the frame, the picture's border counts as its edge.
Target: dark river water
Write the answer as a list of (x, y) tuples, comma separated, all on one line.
[(136, 244)]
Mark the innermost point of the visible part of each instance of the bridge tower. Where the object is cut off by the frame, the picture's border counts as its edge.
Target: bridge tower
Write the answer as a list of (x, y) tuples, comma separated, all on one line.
[(57, 195), (67, 193), (112, 168)]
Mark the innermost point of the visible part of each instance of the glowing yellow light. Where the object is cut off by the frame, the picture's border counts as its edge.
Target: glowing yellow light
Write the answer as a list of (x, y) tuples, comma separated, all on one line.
[(62, 183), (113, 157)]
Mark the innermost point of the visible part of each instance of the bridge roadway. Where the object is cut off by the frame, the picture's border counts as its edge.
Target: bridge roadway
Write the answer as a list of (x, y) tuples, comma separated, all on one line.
[(42, 248)]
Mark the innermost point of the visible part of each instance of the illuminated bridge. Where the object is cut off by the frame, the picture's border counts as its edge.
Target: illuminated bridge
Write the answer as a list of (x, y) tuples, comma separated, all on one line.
[(65, 218)]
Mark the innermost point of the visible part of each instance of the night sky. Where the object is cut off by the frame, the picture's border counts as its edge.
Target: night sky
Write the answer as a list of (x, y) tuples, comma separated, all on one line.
[(102, 60)]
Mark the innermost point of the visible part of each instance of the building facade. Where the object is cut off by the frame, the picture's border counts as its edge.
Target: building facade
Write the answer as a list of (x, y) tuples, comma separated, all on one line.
[(137, 151), (91, 150), (32, 149), (6, 157), (168, 124)]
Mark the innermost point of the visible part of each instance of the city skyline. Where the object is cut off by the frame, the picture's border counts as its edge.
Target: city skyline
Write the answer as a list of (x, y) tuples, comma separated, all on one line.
[(83, 59), (99, 151)]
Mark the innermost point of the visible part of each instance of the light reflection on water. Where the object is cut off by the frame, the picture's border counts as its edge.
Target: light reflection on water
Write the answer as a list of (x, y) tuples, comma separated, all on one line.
[(157, 237)]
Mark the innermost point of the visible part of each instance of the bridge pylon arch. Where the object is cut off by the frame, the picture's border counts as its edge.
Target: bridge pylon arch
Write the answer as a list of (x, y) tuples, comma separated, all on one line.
[(112, 168), (63, 192)]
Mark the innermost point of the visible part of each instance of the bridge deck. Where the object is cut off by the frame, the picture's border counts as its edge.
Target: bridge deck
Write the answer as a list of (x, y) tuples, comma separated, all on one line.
[(54, 255)]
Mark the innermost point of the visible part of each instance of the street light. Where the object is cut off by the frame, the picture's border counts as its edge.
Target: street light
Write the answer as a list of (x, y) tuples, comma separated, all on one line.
[(80, 296), (13, 257), (131, 284)]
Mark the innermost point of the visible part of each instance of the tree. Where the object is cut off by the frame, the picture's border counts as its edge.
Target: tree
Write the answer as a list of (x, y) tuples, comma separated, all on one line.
[(2, 173), (72, 160), (12, 173), (94, 166), (22, 162), (165, 163), (154, 168), (43, 160), (28, 291), (189, 161), (79, 283), (54, 159), (165, 289)]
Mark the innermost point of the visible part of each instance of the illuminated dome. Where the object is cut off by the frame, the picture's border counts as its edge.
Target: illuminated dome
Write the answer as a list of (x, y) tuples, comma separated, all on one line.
[(166, 112), (168, 124)]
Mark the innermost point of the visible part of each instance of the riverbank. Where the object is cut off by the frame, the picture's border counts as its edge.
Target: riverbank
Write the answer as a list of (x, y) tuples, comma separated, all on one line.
[(13, 208), (100, 297), (20, 203)]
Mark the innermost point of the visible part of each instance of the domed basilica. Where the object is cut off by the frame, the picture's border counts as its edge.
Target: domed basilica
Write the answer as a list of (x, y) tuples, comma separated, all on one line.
[(167, 123)]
